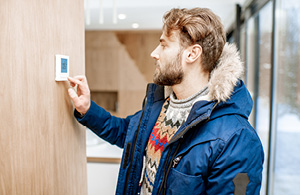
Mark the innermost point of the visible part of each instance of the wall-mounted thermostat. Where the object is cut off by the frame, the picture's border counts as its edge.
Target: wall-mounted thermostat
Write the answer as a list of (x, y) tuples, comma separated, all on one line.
[(62, 67)]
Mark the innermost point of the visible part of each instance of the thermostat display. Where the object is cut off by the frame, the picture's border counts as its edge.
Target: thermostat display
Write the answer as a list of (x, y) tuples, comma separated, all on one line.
[(62, 67)]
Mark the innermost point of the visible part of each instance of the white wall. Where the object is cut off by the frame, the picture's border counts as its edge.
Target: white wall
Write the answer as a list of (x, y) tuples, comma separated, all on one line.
[(102, 178)]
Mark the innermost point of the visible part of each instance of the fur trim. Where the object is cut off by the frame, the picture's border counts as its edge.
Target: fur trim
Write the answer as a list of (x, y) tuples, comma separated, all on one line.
[(225, 76)]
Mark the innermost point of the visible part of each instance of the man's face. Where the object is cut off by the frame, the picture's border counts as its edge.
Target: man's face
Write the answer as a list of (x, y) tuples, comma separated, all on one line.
[(168, 56)]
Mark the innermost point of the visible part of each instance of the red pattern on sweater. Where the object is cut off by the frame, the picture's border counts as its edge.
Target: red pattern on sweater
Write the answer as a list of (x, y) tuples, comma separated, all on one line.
[(156, 141)]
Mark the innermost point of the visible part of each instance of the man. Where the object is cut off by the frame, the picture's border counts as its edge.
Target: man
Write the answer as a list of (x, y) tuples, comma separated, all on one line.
[(196, 139)]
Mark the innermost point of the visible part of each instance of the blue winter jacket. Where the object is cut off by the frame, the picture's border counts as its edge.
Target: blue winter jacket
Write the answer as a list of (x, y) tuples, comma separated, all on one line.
[(216, 151)]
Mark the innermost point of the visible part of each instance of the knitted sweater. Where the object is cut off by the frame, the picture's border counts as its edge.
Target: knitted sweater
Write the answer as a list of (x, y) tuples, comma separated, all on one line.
[(173, 114)]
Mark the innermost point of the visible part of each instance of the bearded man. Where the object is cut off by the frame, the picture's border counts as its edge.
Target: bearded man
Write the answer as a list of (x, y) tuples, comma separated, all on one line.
[(192, 135)]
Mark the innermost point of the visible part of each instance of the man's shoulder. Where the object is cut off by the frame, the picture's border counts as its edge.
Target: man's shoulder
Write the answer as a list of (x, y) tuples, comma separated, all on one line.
[(227, 126)]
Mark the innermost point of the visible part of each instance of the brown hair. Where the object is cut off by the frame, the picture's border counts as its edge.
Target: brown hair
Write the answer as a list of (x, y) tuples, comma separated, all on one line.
[(198, 26)]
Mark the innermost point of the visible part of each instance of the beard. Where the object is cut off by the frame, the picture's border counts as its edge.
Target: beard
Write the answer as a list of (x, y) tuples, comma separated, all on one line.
[(170, 74)]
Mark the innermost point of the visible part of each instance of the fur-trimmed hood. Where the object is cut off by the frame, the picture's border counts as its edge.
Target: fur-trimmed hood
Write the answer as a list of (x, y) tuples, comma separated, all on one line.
[(225, 76)]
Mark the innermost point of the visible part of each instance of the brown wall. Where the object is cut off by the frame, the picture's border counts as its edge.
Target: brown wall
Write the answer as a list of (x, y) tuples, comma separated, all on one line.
[(42, 147), (119, 63), (139, 45)]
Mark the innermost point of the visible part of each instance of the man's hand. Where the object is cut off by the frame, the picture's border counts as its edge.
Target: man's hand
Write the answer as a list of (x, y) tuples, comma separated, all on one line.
[(81, 99)]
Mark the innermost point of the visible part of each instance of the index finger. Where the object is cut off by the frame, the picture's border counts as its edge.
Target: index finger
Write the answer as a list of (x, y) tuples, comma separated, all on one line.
[(74, 81), (80, 77)]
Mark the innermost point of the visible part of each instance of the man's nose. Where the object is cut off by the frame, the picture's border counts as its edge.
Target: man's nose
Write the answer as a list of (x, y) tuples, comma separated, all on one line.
[(154, 54)]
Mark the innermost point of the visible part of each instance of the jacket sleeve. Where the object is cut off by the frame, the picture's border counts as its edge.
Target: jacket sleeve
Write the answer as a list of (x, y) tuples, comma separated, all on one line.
[(106, 126), (237, 169)]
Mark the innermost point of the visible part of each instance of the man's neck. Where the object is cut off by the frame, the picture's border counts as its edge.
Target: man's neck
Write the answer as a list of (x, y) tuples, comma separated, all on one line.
[(190, 85)]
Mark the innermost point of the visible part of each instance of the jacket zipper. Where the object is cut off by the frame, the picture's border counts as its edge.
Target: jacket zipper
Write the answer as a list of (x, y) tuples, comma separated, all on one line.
[(180, 135), (164, 180), (176, 161), (169, 167), (135, 141), (164, 170)]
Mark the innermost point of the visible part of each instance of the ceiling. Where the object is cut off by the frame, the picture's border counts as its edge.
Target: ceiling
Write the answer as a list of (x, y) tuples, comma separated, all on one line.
[(147, 15)]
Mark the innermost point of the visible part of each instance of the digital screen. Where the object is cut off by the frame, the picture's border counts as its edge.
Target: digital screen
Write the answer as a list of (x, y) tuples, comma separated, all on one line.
[(64, 65)]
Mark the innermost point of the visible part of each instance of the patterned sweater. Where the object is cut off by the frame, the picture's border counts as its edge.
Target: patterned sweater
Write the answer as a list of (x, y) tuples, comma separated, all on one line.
[(173, 114)]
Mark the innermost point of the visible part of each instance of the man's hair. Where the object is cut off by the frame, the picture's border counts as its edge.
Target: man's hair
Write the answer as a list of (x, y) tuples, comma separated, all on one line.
[(198, 26)]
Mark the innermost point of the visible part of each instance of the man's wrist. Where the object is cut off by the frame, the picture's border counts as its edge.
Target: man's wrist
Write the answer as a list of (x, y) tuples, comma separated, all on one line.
[(84, 112)]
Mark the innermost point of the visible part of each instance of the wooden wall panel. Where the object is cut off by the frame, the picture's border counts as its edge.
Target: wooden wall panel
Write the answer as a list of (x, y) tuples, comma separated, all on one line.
[(102, 60), (103, 75), (109, 67), (131, 101), (42, 147), (139, 45)]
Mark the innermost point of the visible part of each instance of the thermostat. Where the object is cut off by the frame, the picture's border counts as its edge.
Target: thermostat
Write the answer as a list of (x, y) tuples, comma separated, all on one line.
[(62, 67)]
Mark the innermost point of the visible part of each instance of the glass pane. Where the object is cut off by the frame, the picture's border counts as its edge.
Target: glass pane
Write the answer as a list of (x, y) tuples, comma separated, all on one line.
[(243, 49), (264, 81), (259, 44), (250, 56), (287, 157)]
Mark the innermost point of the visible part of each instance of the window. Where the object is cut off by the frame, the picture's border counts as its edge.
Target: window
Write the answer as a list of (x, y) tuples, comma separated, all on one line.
[(259, 52), (284, 177), (287, 101)]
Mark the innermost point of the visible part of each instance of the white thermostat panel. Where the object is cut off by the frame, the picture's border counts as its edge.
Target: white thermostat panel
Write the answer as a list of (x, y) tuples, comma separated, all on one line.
[(62, 67)]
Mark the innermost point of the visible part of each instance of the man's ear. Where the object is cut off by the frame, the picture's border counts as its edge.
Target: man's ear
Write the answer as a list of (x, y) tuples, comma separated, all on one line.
[(194, 53)]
